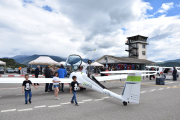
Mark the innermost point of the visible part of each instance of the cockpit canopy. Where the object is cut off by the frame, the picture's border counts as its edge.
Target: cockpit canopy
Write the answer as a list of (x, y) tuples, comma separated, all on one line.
[(73, 63)]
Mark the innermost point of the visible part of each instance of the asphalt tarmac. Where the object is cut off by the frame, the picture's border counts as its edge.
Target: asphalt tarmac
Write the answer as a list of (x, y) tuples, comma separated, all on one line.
[(157, 102)]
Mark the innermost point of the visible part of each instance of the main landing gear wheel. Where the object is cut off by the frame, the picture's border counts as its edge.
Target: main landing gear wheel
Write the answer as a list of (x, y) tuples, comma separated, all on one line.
[(125, 103)]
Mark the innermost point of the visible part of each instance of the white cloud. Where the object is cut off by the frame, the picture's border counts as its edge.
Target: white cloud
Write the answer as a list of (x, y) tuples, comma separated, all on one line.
[(178, 5), (165, 7), (79, 27)]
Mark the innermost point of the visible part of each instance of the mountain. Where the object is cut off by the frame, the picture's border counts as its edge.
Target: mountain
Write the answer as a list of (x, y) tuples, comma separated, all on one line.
[(25, 59), (169, 64), (177, 60), (10, 63)]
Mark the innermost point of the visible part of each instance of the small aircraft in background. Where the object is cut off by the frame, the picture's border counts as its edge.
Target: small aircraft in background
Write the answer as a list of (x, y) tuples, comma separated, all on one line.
[(163, 71), (131, 91)]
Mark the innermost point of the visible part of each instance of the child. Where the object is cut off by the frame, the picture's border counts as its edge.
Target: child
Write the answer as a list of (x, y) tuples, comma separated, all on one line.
[(74, 88), (56, 84), (27, 88)]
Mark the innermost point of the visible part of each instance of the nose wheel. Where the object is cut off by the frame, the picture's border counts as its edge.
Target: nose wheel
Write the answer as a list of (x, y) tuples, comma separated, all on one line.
[(125, 103)]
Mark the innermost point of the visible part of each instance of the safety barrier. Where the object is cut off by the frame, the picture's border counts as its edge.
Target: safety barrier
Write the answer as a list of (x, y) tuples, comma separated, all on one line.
[(18, 75)]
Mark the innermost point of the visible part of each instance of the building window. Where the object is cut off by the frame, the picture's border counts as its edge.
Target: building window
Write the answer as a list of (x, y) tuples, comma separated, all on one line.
[(143, 46), (143, 52)]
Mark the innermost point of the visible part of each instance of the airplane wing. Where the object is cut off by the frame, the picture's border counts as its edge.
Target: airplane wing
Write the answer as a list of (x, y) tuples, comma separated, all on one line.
[(128, 71), (112, 77), (34, 80), (115, 77)]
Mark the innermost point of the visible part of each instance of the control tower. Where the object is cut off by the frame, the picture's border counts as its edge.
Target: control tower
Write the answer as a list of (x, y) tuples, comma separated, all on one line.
[(137, 46)]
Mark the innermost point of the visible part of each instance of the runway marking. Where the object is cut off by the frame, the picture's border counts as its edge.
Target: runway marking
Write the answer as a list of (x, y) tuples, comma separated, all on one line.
[(143, 91), (80, 102), (25, 109), (8, 110), (13, 88), (160, 88), (87, 100), (104, 97), (54, 106), (152, 90), (174, 86), (167, 87), (40, 106), (98, 99), (65, 103)]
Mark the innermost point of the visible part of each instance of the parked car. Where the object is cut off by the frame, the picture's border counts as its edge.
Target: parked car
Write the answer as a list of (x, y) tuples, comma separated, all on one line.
[(24, 71), (1, 70), (9, 70), (16, 70)]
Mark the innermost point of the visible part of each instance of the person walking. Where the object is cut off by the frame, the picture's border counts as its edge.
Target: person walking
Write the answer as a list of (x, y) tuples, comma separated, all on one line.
[(174, 74), (56, 85), (73, 89), (37, 73), (27, 88), (47, 75), (62, 74)]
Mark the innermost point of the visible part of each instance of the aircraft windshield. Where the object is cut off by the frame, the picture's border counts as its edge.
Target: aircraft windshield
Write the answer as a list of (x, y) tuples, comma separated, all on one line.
[(73, 62)]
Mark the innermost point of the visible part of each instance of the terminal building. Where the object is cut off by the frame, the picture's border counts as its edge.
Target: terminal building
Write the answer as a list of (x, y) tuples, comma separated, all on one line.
[(137, 55)]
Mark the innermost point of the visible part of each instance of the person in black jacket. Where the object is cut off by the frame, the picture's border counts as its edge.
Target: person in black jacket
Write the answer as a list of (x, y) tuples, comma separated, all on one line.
[(37, 73), (174, 74), (102, 70), (47, 75)]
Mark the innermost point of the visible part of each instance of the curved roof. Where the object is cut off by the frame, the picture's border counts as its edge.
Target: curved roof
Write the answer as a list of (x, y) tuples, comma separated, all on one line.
[(43, 60)]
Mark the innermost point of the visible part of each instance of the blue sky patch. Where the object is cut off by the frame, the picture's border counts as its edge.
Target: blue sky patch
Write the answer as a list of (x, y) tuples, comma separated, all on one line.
[(48, 8), (156, 4)]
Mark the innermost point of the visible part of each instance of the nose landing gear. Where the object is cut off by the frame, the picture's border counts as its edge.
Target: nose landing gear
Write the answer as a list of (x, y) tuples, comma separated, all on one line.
[(124, 103)]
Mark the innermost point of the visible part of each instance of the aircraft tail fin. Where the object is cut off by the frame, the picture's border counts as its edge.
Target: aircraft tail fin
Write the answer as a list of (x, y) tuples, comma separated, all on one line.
[(131, 91)]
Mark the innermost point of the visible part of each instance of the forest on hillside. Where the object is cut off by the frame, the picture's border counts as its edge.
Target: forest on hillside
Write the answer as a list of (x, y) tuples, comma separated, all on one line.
[(10, 63)]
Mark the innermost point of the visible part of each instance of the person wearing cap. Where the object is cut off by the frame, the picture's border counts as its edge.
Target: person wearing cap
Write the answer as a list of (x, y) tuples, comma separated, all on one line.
[(62, 74)]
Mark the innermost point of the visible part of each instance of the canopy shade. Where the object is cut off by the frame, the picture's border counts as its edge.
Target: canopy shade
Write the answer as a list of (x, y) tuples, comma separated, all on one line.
[(82, 64), (97, 64), (64, 63), (43, 60), (2, 63)]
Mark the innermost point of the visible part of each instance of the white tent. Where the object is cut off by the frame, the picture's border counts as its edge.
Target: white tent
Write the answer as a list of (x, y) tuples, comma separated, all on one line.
[(96, 64), (43, 60), (64, 63), (2, 63), (77, 64)]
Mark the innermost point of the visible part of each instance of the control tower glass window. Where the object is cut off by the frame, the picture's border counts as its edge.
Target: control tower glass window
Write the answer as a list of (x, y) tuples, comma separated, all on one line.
[(143, 52), (143, 46)]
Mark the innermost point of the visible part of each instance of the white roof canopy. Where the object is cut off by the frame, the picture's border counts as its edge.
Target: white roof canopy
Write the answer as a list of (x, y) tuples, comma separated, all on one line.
[(77, 64), (63, 63), (43, 60), (2, 63), (97, 64)]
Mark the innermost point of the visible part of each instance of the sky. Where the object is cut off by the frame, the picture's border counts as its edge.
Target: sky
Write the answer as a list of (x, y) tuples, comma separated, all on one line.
[(64, 27)]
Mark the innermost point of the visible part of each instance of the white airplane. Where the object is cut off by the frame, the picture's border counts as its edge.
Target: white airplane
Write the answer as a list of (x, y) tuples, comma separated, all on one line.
[(130, 94), (167, 71)]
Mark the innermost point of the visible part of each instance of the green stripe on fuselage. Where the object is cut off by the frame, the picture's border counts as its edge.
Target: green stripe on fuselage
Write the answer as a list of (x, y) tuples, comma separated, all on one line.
[(134, 78)]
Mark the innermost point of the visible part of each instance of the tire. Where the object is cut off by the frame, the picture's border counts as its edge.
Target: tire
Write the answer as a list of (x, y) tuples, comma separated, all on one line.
[(125, 103)]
